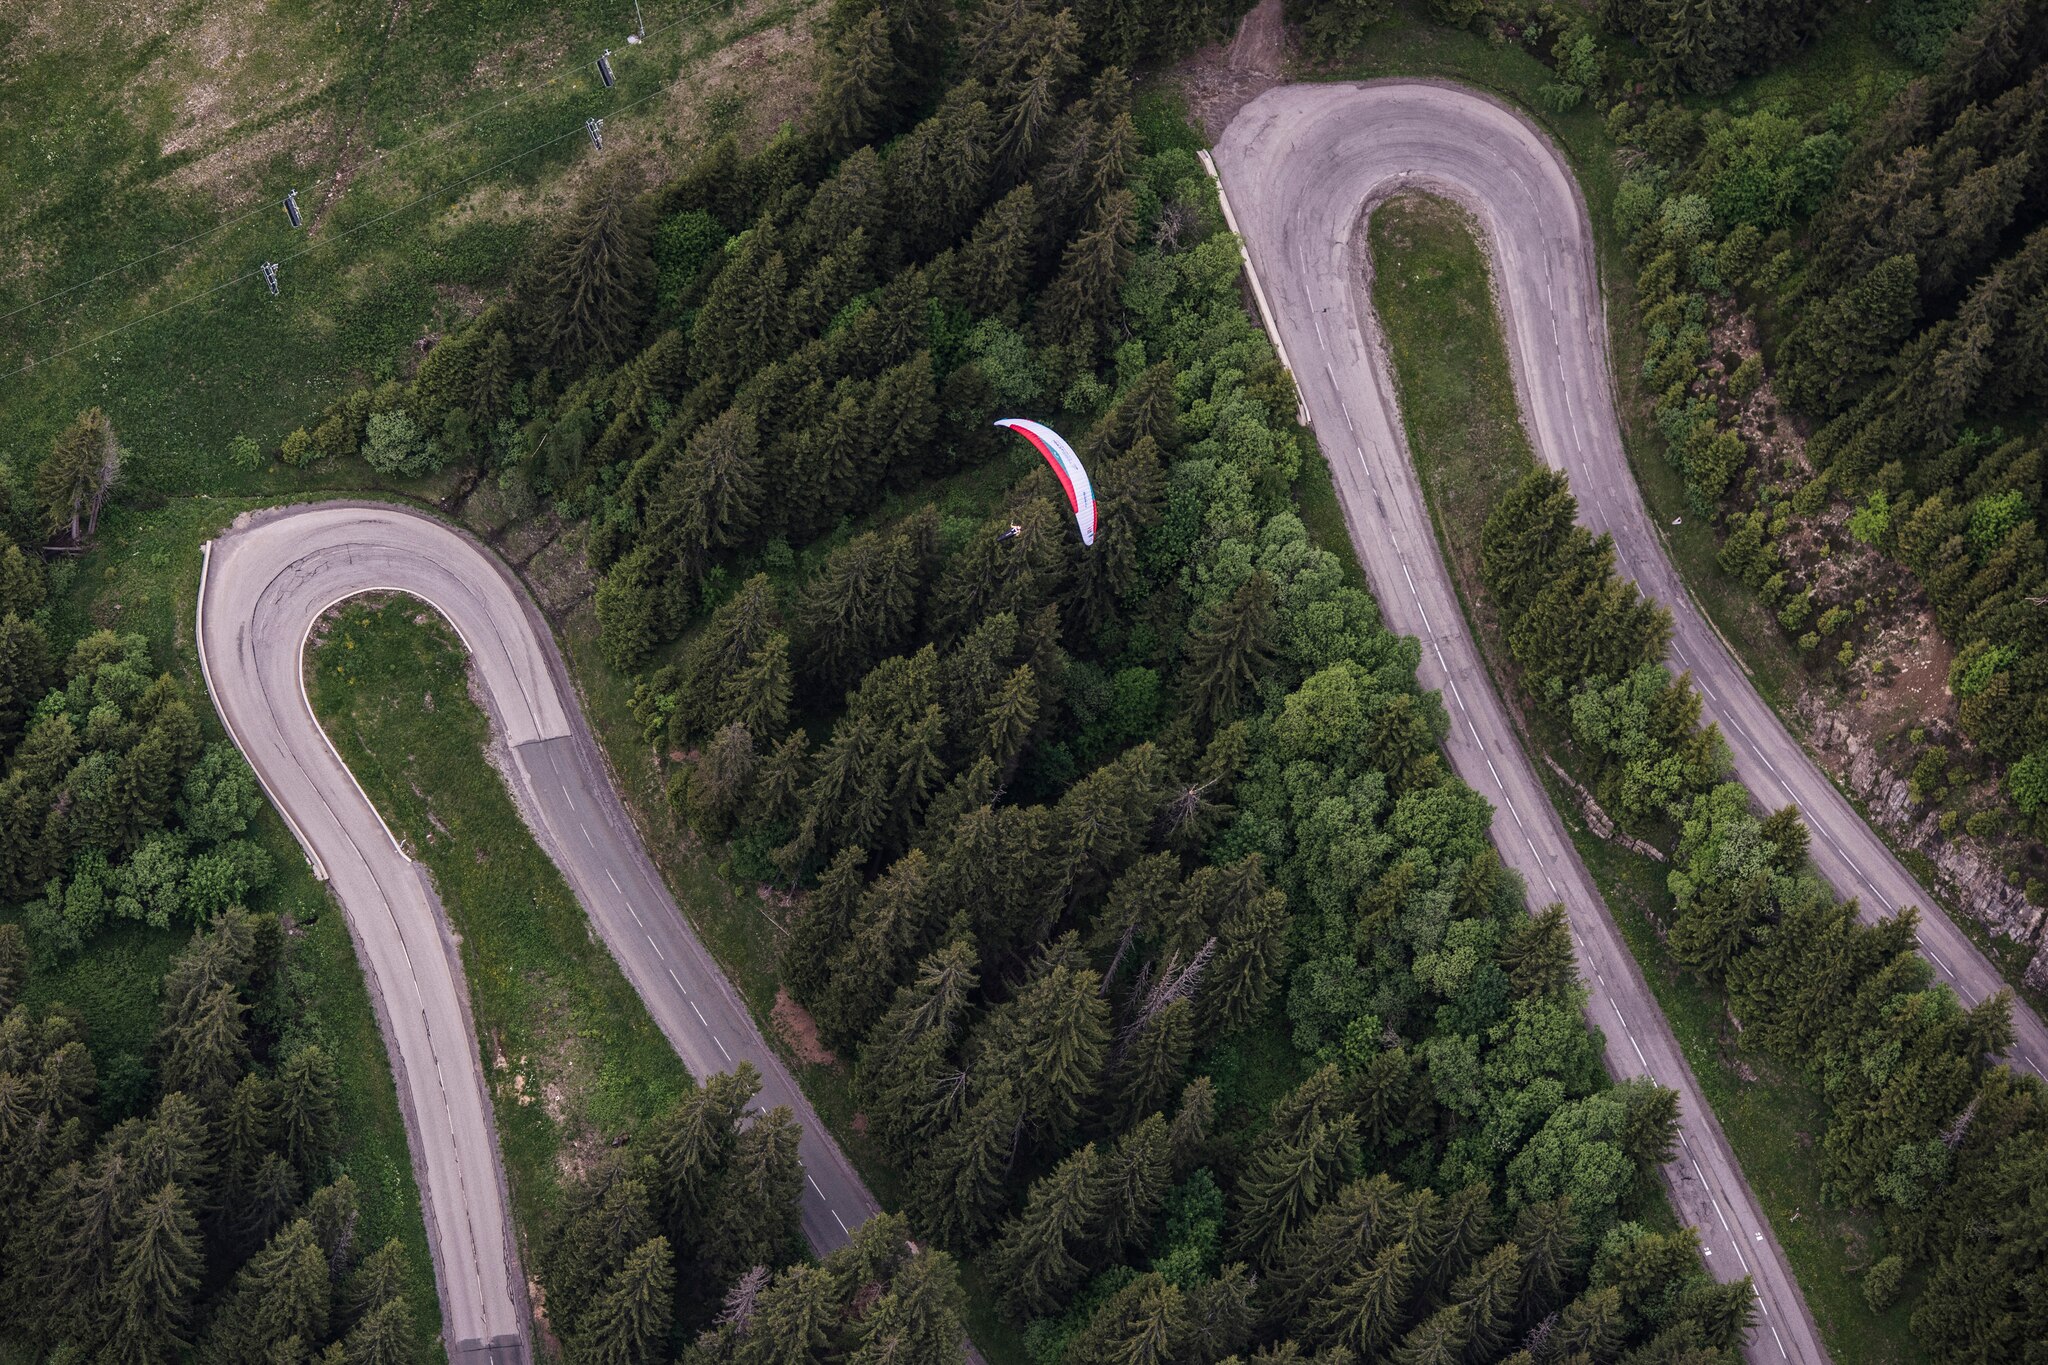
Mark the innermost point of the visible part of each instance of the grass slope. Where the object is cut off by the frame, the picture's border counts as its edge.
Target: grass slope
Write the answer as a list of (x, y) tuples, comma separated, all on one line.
[(1433, 296), (572, 1057), (168, 134)]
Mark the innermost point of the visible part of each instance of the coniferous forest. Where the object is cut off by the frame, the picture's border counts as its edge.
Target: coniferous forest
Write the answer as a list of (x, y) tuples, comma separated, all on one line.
[(1178, 981), (1178, 986)]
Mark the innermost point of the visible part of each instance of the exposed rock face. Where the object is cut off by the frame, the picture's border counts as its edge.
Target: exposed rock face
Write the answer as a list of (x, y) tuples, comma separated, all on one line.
[(1965, 877)]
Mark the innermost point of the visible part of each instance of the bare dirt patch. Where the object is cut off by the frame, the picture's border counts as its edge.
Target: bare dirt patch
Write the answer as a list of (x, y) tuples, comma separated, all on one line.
[(1223, 78), (799, 1032)]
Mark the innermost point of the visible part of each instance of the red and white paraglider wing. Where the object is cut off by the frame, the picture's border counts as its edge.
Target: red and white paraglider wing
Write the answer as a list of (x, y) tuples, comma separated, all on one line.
[(1066, 464)]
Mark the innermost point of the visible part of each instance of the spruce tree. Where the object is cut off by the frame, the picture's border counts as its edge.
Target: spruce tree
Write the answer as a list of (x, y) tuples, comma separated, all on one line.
[(382, 1336), (1285, 1182), (712, 497), (1144, 1323), (1136, 1175), (825, 926), (1038, 1261), (691, 1145), (585, 294), (1051, 1040), (855, 97), (1537, 954), (792, 1320), (909, 1052), (1229, 649), (753, 1218), (282, 1292), (957, 1189), (156, 1269), (917, 1321), (858, 609), (757, 696), (1364, 1306), (308, 1107), (628, 1324), (996, 264), (1150, 1060), (1074, 310), (76, 477), (890, 934), (1441, 1339)]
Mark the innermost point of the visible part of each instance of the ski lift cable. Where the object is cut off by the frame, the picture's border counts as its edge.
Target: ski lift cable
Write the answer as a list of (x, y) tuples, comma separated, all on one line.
[(433, 134), (319, 242)]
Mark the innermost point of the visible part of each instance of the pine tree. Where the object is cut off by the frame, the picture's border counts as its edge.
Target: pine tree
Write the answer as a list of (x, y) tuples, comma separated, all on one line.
[(1038, 1260), (78, 474), (628, 1324), (585, 294), (1226, 653)]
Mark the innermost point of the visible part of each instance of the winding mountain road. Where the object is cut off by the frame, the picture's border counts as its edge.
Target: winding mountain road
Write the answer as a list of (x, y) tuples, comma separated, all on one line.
[(1302, 168), (267, 581)]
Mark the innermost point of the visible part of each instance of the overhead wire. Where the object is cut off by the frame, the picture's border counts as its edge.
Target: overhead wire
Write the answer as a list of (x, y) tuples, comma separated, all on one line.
[(434, 134)]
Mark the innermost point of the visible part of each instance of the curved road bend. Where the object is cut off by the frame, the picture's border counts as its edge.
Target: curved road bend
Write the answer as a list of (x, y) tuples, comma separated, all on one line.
[(267, 581), (1302, 166), (1356, 144)]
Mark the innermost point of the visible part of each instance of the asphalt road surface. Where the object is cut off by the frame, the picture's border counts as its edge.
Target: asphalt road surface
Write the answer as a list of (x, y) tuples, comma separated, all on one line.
[(268, 579), (1302, 166)]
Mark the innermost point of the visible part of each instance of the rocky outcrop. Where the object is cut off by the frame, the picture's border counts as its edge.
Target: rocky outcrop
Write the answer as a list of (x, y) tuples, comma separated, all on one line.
[(1968, 878)]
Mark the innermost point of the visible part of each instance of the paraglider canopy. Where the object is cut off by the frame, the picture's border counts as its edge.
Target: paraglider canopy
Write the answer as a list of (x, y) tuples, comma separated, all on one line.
[(1066, 464)]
